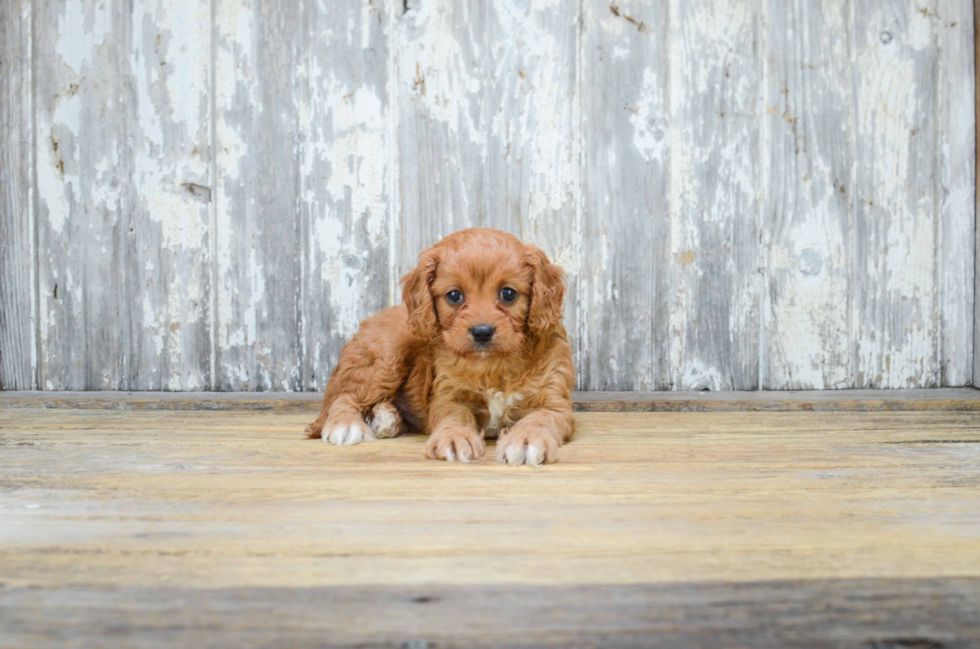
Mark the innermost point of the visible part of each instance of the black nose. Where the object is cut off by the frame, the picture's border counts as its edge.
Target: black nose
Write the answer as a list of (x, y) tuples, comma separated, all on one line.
[(482, 333)]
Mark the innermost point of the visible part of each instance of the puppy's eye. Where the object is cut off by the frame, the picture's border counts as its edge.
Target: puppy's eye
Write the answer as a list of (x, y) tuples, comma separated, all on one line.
[(454, 297), (508, 294)]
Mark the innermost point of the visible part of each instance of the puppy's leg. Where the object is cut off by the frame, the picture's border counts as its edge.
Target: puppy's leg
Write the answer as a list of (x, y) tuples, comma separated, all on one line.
[(344, 425), (535, 439), (454, 434), (372, 368)]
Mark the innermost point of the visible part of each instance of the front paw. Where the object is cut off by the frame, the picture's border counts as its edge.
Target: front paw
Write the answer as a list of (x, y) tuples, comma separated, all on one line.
[(346, 430), (530, 444), (451, 444)]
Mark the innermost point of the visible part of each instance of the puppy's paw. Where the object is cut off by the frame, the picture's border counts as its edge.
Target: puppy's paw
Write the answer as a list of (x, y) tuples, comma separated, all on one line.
[(346, 430), (530, 445), (386, 421), (313, 430), (452, 444)]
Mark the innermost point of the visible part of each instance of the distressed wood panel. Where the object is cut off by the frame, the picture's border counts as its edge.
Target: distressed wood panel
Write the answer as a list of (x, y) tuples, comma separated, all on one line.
[(892, 613), (122, 194), (442, 74), (809, 132), (625, 283), (956, 189), (17, 324), (714, 201), (976, 169), (344, 144), (745, 193), (486, 126), (302, 172), (895, 318)]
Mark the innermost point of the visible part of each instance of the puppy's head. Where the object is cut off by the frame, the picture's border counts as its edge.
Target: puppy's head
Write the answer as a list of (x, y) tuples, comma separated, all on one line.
[(483, 292)]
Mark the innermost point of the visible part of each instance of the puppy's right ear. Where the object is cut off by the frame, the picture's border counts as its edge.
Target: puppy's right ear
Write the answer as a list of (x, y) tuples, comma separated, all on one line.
[(417, 296)]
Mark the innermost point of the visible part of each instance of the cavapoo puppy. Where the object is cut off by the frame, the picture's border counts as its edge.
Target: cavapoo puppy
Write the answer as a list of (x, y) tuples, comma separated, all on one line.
[(477, 349)]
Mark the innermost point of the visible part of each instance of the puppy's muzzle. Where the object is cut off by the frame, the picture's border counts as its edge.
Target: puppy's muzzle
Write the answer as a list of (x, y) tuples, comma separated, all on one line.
[(482, 334)]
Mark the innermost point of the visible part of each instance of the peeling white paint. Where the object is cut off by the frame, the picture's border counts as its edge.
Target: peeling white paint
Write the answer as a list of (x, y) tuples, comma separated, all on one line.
[(865, 253)]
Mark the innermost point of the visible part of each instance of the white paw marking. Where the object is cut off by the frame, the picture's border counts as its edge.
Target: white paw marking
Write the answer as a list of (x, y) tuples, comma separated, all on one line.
[(515, 454), (384, 423), (450, 456), (499, 405), (349, 435), (533, 455)]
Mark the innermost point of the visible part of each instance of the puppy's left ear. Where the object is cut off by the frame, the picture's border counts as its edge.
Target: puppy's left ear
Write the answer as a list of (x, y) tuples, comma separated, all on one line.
[(547, 291)]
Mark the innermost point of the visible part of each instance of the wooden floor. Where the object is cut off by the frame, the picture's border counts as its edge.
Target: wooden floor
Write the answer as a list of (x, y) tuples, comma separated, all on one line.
[(712, 529)]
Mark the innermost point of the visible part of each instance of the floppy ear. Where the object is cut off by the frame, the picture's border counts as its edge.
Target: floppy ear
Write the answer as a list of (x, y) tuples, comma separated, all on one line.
[(547, 291), (417, 296)]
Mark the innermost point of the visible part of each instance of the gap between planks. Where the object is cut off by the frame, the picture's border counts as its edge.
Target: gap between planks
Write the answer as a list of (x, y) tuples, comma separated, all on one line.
[(949, 399)]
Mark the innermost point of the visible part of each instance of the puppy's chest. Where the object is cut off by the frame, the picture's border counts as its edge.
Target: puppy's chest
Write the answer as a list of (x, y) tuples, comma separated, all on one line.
[(499, 410)]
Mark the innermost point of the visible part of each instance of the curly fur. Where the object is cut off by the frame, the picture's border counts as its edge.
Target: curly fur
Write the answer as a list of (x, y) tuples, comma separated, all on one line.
[(418, 365)]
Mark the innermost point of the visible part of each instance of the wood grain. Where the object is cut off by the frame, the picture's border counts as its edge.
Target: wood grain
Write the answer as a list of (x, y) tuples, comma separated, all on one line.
[(976, 212), (302, 212), (623, 303), (957, 191), (123, 176), (774, 529), (715, 176), (441, 80), (240, 499), (895, 293), (18, 352), (809, 125), (745, 194), (805, 614)]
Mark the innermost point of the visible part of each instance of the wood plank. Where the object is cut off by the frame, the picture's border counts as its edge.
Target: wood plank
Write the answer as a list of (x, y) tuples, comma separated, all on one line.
[(624, 287), (769, 529), (715, 183), (18, 351), (895, 318), (809, 123), (957, 189), (119, 499), (303, 168), (123, 210), (343, 142), (259, 257), (879, 613), (442, 123), (953, 399), (976, 257)]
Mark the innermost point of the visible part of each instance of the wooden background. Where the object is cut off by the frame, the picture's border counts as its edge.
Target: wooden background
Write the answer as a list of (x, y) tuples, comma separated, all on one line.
[(746, 194)]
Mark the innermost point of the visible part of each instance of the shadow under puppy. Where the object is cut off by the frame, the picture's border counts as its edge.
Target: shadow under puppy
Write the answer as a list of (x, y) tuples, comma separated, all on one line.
[(477, 349)]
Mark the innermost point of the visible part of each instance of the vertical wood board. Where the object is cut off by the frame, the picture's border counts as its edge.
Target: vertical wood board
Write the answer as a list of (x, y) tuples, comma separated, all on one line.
[(716, 180), (18, 351), (625, 256), (809, 134), (123, 174)]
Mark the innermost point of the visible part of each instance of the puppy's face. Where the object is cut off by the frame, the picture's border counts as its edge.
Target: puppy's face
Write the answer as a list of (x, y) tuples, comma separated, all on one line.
[(481, 298), (483, 293)]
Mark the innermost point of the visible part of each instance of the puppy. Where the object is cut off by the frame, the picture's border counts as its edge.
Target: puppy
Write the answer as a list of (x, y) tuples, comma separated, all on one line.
[(476, 350)]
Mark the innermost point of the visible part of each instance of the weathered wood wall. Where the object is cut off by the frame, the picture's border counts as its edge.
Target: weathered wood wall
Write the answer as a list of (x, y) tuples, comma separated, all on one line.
[(746, 193)]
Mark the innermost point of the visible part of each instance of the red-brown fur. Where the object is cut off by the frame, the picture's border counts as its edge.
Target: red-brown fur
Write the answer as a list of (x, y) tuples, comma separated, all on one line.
[(420, 357)]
